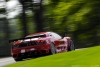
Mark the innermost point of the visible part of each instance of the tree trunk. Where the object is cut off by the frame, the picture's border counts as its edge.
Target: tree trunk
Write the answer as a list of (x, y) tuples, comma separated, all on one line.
[(24, 21), (38, 16), (39, 19)]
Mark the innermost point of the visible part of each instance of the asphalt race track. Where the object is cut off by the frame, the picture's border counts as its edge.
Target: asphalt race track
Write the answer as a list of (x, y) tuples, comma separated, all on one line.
[(6, 61)]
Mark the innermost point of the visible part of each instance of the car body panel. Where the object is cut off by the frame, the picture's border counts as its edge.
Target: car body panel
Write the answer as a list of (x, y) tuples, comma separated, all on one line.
[(39, 43)]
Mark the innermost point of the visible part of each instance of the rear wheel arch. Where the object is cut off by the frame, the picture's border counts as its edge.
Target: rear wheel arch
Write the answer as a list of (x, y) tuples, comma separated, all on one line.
[(71, 46)]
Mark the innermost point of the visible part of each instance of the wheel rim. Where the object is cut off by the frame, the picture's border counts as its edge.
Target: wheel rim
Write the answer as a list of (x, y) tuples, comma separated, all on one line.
[(71, 46), (52, 49)]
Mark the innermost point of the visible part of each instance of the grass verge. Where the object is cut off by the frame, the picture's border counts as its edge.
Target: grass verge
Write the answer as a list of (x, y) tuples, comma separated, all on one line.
[(79, 58)]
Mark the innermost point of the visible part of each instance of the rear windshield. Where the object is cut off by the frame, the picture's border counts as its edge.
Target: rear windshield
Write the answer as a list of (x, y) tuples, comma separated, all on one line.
[(26, 44)]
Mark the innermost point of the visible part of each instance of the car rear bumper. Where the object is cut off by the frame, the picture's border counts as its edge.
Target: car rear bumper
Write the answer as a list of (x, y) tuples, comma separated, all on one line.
[(32, 51)]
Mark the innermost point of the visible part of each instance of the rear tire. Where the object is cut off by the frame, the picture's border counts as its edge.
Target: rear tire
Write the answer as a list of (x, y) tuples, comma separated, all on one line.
[(71, 47), (18, 59), (52, 49)]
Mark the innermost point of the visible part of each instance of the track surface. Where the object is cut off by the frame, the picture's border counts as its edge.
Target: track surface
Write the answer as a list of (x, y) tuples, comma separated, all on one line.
[(6, 61)]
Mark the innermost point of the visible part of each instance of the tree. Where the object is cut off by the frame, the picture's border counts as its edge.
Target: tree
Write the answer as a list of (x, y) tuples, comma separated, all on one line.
[(24, 19), (5, 33), (77, 18)]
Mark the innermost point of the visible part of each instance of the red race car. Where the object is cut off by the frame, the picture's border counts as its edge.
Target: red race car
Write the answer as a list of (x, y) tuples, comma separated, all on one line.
[(43, 43)]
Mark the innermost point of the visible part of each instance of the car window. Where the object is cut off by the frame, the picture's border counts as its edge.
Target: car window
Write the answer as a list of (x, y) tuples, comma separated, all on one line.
[(55, 35), (50, 35)]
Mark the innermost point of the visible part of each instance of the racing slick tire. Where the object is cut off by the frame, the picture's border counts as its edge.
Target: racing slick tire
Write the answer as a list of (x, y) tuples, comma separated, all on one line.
[(71, 46), (18, 59), (52, 49)]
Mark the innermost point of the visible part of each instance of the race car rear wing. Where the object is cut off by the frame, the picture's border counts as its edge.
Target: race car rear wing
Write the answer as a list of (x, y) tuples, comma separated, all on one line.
[(37, 36), (20, 39)]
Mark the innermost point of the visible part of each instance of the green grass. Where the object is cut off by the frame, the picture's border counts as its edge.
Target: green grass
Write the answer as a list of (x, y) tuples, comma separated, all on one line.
[(80, 58)]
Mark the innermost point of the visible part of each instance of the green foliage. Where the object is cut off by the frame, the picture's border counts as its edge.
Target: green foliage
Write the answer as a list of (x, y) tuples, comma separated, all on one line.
[(79, 19), (76, 18)]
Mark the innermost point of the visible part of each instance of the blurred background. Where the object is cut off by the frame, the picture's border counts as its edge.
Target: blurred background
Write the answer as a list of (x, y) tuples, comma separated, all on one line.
[(79, 19)]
